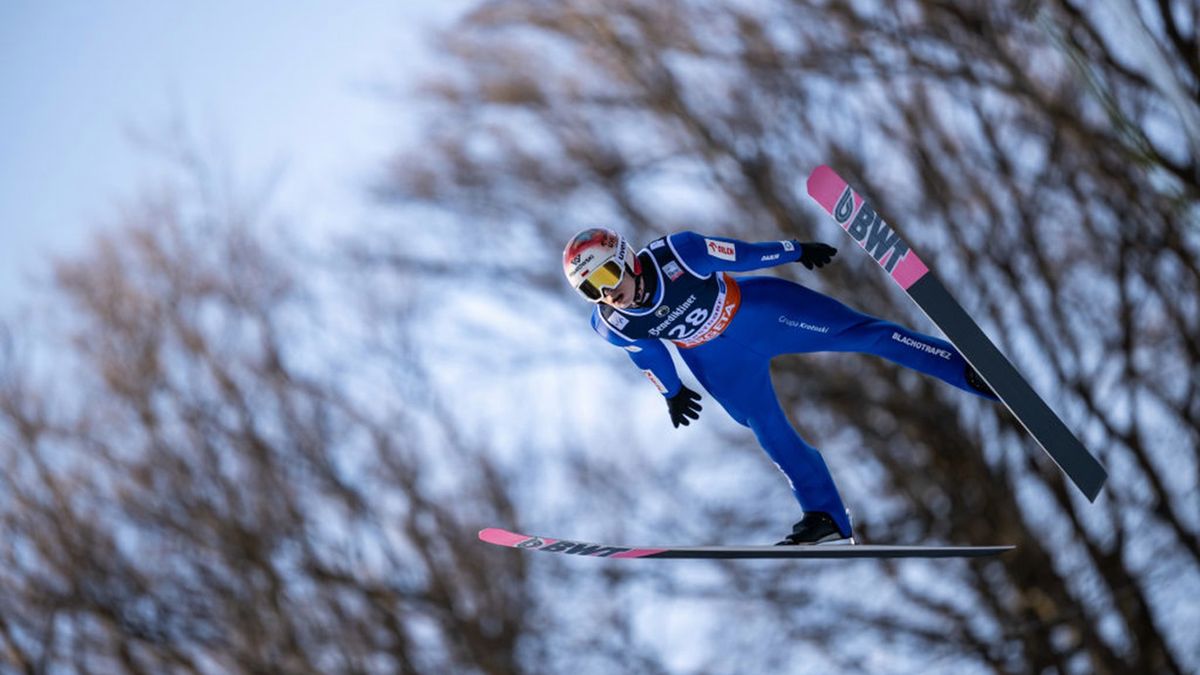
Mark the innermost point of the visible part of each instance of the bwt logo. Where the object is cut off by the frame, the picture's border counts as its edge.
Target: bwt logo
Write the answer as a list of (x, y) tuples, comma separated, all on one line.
[(870, 231), (572, 548)]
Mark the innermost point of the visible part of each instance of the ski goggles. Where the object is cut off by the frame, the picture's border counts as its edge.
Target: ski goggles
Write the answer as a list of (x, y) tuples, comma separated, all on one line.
[(602, 278)]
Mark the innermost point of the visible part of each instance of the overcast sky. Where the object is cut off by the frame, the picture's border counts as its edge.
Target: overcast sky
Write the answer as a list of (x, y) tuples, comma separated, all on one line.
[(294, 89)]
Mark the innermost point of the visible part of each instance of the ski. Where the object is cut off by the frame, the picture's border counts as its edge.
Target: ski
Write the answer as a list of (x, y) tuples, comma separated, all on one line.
[(897, 258), (500, 537)]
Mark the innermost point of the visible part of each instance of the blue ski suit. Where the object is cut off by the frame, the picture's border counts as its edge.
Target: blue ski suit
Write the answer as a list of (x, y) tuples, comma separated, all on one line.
[(728, 330)]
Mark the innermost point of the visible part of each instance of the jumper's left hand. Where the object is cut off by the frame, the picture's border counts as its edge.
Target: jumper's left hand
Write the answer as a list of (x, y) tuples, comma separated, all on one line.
[(684, 405), (815, 253)]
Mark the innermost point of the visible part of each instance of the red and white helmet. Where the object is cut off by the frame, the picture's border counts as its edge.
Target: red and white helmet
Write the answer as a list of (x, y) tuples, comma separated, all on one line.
[(596, 260)]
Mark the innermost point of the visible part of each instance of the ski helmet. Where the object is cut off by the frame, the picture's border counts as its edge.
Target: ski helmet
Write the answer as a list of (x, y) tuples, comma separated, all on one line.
[(596, 259)]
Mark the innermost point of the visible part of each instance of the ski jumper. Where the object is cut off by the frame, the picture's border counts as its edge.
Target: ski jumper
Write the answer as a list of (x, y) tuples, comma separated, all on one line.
[(728, 330)]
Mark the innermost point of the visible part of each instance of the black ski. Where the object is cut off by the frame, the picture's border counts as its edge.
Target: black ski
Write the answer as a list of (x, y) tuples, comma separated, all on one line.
[(527, 542), (895, 256)]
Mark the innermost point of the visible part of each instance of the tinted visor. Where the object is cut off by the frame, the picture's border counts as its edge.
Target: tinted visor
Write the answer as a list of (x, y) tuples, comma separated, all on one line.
[(605, 276)]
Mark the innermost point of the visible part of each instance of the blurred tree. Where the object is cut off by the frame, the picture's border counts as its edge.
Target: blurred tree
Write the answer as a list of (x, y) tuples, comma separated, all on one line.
[(194, 484), (1040, 155), (239, 464)]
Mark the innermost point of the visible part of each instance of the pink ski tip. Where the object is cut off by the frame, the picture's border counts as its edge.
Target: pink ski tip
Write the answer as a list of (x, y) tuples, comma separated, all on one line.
[(821, 173), (825, 186), (494, 535)]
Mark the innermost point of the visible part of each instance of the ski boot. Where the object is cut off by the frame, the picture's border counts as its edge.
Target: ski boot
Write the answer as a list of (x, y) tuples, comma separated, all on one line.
[(978, 384), (815, 528)]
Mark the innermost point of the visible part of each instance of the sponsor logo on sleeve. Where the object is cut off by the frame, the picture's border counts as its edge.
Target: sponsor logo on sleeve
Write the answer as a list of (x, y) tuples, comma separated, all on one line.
[(618, 321), (657, 244), (788, 246), (768, 258), (721, 249), (655, 381)]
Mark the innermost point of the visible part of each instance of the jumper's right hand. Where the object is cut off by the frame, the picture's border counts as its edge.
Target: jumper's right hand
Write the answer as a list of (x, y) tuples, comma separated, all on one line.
[(683, 406)]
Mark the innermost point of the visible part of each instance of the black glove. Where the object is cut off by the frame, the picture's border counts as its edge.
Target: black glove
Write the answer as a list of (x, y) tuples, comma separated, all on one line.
[(683, 405), (815, 253)]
